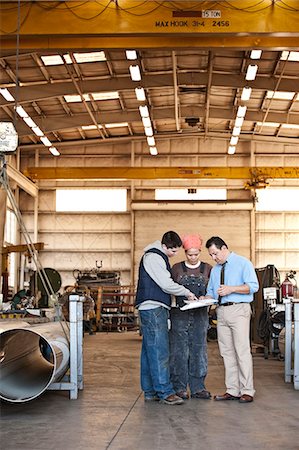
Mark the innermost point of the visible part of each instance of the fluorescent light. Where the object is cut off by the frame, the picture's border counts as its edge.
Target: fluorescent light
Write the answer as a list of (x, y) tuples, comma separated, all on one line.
[(116, 125), (105, 95), (256, 54), (54, 151), (246, 93), (140, 94), (131, 54), (234, 140), (52, 60), (144, 112), (135, 73), (7, 95), (153, 151), (89, 57), (290, 56), (21, 111), (281, 95), (251, 72), (231, 150), (37, 131), (76, 98), (148, 131), (241, 111), (239, 121), (236, 131), (46, 141), (29, 122), (146, 122), (151, 141)]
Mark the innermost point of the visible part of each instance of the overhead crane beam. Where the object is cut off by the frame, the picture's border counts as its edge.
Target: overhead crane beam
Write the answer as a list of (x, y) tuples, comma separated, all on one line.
[(153, 173), (128, 23)]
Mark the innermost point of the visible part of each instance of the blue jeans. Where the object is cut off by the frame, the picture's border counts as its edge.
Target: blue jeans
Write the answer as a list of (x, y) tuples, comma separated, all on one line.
[(188, 349), (154, 373)]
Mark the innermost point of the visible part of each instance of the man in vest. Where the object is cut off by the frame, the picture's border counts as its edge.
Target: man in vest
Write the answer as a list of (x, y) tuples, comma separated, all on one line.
[(153, 300)]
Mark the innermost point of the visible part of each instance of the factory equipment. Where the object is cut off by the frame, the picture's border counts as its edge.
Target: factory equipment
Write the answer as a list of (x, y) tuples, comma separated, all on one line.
[(292, 341), (96, 277), (34, 358), (268, 311), (289, 285)]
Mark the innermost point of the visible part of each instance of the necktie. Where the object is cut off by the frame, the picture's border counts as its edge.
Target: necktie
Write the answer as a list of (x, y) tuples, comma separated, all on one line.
[(221, 280)]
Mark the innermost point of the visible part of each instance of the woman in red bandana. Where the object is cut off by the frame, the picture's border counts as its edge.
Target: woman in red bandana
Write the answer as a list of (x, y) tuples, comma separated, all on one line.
[(188, 333)]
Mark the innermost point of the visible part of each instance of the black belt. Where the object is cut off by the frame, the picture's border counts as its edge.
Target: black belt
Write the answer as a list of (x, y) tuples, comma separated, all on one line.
[(231, 303)]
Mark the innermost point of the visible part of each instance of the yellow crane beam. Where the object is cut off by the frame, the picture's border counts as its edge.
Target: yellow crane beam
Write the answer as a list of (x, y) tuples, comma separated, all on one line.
[(127, 23), (152, 173)]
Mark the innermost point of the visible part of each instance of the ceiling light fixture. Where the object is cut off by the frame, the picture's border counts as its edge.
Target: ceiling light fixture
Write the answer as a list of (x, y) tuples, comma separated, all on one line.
[(135, 73), (234, 140), (37, 131), (29, 122), (239, 121), (241, 111), (153, 151), (131, 54), (256, 54), (146, 122), (246, 93), (140, 94), (251, 72), (21, 111), (151, 141), (144, 112), (7, 95), (54, 151), (148, 131), (236, 131), (46, 141), (231, 150)]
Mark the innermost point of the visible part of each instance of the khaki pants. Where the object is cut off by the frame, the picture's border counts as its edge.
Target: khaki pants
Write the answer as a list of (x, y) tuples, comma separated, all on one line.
[(233, 324)]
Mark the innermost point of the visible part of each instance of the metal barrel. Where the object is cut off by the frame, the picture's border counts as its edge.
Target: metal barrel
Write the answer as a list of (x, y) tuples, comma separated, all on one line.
[(31, 358)]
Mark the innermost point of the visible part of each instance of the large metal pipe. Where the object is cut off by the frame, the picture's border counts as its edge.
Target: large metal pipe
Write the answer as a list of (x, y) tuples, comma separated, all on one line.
[(31, 358)]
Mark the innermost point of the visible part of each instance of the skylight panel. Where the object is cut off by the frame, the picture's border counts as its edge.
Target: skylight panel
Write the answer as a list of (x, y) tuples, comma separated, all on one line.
[(105, 95), (76, 98), (90, 57), (116, 125), (290, 56), (280, 95), (52, 60)]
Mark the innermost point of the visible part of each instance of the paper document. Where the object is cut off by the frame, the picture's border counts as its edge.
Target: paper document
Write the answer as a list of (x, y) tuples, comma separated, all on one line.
[(199, 304)]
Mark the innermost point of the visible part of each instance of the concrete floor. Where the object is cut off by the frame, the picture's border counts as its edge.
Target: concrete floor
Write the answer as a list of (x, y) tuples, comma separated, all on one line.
[(111, 414)]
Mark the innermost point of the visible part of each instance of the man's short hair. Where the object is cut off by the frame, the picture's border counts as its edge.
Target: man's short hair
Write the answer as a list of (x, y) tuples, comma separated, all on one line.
[(217, 241), (171, 239)]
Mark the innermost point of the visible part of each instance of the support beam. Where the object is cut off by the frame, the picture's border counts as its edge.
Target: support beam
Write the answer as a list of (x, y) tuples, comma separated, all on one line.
[(22, 181), (152, 173), (128, 23)]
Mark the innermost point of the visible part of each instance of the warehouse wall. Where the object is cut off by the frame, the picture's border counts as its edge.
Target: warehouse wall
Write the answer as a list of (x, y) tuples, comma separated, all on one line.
[(76, 241)]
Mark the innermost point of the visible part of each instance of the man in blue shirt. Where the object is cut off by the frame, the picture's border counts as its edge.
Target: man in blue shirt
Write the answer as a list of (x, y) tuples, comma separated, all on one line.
[(233, 282)]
